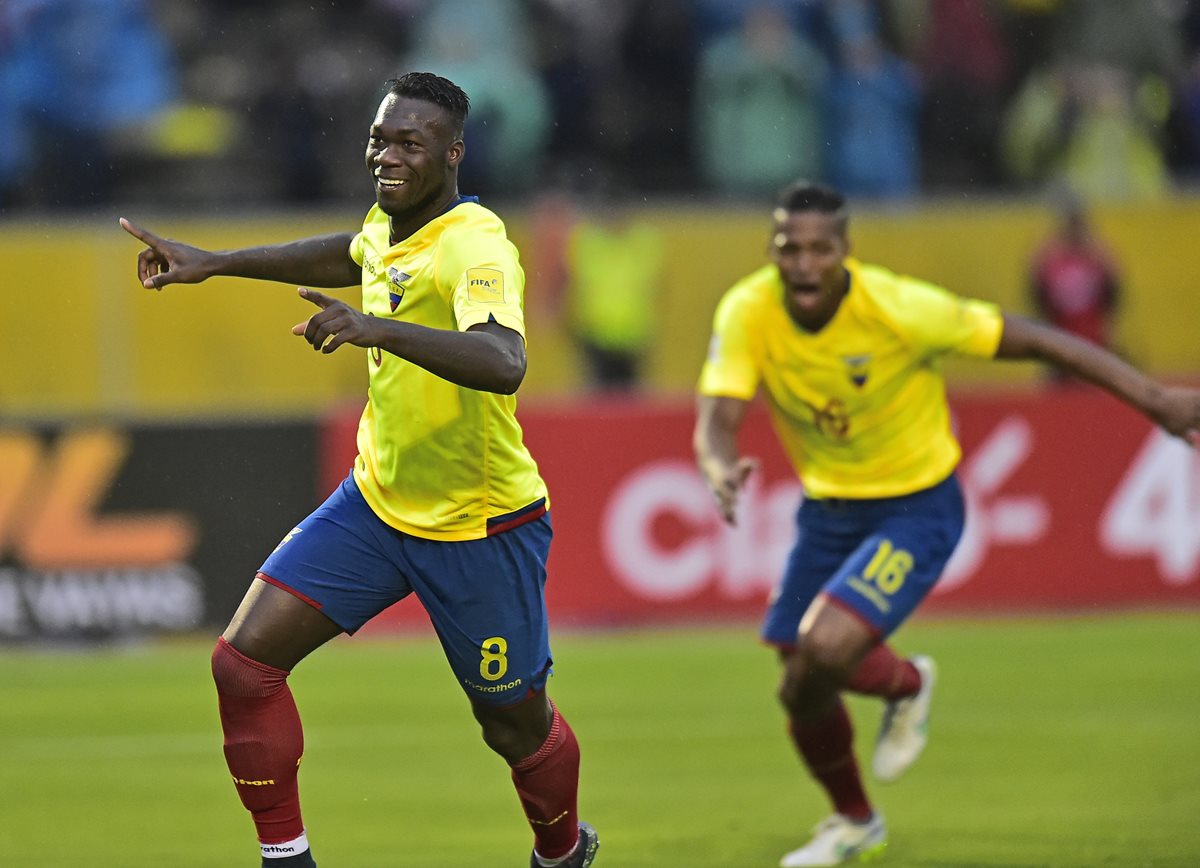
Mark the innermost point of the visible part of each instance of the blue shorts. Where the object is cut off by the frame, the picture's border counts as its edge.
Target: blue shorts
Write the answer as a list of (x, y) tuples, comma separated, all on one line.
[(878, 558), (485, 597)]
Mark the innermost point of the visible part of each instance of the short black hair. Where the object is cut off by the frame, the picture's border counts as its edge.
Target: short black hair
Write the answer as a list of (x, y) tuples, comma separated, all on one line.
[(810, 196), (434, 89)]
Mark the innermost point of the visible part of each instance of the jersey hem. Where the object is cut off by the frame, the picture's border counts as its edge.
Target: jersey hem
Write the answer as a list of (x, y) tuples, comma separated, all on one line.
[(877, 492), (480, 532)]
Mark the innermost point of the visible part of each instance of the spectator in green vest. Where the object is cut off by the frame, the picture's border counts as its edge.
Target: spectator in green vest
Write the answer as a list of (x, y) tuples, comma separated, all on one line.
[(614, 262), (758, 105)]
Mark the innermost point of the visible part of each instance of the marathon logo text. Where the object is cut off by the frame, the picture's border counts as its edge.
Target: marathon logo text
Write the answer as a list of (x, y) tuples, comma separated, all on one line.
[(492, 688)]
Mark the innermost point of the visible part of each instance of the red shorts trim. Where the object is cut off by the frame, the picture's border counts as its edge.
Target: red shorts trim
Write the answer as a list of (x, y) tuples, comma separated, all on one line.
[(850, 610), (507, 522), (299, 596)]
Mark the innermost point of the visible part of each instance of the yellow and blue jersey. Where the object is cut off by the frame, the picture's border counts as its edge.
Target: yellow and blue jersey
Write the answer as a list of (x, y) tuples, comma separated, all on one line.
[(859, 406), (437, 460)]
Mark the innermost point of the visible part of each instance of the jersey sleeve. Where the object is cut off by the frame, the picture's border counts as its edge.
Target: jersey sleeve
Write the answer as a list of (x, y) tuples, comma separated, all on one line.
[(731, 369), (486, 281), (936, 320), (356, 249)]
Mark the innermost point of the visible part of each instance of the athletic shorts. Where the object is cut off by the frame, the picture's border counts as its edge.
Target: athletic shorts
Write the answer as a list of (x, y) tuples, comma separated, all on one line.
[(877, 558), (485, 597)]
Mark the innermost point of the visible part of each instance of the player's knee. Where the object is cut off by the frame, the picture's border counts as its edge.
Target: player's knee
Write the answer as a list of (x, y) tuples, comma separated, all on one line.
[(829, 656), (235, 674), (515, 732), (809, 682), (509, 739)]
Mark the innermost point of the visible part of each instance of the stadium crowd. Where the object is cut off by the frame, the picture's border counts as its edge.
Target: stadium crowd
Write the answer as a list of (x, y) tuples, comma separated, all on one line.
[(233, 104)]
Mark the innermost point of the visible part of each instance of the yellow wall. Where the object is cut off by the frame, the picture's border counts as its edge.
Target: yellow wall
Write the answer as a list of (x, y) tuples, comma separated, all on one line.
[(85, 337), (81, 336)]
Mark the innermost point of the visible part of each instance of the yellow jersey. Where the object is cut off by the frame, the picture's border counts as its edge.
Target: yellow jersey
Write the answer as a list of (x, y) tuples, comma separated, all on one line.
[(859, 406), (437, 460)]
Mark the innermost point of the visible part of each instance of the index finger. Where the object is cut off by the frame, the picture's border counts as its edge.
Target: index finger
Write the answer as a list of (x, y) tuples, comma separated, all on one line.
[(320, 299), (144, 235)]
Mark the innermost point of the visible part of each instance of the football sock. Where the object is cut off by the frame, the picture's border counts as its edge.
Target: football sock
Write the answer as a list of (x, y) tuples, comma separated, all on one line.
[(283, 853), (881, 673), (300, 859), (827, 746), (548, 784), (263, 741)]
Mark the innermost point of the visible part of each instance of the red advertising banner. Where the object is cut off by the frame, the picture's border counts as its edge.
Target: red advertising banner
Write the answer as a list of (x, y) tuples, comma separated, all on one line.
[(1075, 502)]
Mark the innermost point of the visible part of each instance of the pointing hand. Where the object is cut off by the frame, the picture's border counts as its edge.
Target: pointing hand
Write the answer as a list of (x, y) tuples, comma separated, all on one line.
[(165, 261)]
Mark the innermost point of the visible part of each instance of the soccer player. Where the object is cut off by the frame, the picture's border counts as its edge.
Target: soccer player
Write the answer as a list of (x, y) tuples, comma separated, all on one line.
[(848, 357), (444, 501)]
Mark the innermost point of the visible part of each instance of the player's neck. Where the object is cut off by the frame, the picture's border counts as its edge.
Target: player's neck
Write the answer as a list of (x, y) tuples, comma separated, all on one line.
[(403, 226)]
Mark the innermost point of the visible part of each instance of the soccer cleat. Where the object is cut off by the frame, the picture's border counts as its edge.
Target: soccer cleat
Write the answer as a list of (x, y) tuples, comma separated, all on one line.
[(584, 853), (837, 840), (905, 727)]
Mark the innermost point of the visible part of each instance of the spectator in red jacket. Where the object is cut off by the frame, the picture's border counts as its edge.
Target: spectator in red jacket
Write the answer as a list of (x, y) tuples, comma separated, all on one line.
[(1074, 279)]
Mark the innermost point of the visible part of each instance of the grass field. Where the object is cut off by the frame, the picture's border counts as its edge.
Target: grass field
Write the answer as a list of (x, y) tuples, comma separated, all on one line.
[(1056, 742)]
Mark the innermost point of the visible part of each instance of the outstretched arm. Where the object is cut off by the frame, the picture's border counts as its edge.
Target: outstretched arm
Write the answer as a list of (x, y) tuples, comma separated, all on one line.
[(320, 261), (487, 357), (714, 440), (1174, 408)]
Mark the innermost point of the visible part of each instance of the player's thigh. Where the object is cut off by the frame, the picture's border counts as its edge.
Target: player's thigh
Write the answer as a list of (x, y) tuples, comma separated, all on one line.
[(275, 627), (486, 599), (823, 542), (897, 565), (342, 560)]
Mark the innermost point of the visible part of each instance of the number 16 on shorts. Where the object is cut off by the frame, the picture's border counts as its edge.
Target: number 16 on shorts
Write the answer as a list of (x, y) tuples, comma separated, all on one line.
[(884, 575)]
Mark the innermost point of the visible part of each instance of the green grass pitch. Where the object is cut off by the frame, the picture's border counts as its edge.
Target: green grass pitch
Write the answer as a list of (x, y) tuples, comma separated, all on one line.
[(1055, 742)]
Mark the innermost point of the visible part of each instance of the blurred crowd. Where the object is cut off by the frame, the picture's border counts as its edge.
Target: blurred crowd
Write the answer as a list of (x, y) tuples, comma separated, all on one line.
[(229, 103)]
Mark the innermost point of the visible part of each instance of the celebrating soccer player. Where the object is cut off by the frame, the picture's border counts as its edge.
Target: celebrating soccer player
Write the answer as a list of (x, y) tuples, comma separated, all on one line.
[(848, 358), (443, 501)]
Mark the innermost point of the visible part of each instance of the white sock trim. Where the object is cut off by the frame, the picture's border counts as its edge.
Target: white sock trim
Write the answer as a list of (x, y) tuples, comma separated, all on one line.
[(550, 863), (285, 848)]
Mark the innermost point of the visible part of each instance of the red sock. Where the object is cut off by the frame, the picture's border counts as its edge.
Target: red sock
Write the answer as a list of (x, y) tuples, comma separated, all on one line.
[(263, 741), (827, 746), (881, 673), (548, 785)]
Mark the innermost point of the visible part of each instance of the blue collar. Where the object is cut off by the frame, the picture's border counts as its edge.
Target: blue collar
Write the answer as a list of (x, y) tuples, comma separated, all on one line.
[(461, 200)]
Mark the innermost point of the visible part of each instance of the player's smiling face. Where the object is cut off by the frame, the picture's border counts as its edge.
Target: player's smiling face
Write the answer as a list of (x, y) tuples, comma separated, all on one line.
[(808, 248), (412, 154)]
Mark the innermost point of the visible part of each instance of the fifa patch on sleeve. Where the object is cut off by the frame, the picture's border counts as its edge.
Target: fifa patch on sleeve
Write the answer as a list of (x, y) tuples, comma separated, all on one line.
[(485, 285)]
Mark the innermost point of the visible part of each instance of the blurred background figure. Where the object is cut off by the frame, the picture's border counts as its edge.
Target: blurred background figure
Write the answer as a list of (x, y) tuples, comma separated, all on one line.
[(1183, 122), (79, 81), (1090, 127), (613, 289), (965, 61), (873, 108), (1074, 279), (1093, 113), (758, 96)]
